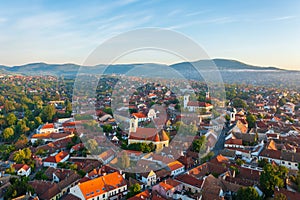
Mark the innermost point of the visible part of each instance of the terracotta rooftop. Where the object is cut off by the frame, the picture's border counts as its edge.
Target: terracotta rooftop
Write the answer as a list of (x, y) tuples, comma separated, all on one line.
[(101, 185), (141, 196), (175, 165), (198, 104), (190, 180), (17, 167), (169, 184), (57, 158), (46, 126), (139, 115), (234, 141)]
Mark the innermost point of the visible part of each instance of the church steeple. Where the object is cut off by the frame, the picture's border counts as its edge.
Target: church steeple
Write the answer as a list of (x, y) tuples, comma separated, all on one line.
[(133, 125), (164, 136)]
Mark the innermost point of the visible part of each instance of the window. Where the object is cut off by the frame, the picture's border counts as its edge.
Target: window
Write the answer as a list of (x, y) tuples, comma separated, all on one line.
[(283, 162)]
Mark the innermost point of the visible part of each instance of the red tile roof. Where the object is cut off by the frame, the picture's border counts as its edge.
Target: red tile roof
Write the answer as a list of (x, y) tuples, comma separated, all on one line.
[(139, 115), (141, 196), (57, 158), (101, 185), (234, 141), (145, 134), (198, 104), (169, 184), (175, 165), (190, 180), (17, 167), (46, 126)]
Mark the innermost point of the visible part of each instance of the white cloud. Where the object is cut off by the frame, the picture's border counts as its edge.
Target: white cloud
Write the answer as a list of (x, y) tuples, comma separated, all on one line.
[(41, 21), (197, 13), (282, 18), (219, 20), (174, 12)]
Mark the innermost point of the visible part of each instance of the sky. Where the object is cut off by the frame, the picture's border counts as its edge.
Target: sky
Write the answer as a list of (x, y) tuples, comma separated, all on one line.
[(258, 32)]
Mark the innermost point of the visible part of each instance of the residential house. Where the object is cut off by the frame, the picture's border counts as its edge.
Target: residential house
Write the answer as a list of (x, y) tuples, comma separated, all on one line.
[(47, 128), (52, 161), (22, 169), (288, 159), (111, 186), (175, 168), (190, 183), (148, 178), (167, 188)]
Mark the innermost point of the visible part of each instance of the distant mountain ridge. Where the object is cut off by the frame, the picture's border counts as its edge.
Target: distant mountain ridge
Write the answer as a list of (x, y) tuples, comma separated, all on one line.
[(231, 71), (72, 69)]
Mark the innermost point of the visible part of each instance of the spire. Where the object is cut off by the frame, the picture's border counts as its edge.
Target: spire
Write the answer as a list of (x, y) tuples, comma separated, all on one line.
[(156, 138), (164, 136)]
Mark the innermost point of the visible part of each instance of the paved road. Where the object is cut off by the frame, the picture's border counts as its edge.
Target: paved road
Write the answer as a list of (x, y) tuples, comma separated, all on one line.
[(220, 143)]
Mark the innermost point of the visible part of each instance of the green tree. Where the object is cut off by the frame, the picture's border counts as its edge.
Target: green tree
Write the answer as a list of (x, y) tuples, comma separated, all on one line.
[(23, 156), (227, 117), (48, 113), (240, 162), (133, 190), (248, 193), (68, 106), (262, 163), (199, 144), (239, 103), (11, 119), (9, 106), (18, 187), (10, 170), (280, 196), (107, 128), (271, 177), (21, 127), (8, 133), (38, 121), (108, 110), (251, 119)]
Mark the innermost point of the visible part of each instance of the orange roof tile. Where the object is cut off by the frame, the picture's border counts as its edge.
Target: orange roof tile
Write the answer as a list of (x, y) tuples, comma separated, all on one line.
[(164, 136), (50, 125), (142, 195), (101, 185), (57, 158), (139, 115), (175, 165)]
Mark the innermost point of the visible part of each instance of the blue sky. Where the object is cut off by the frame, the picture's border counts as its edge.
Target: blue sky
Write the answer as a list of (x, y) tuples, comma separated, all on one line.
[(260, 32)]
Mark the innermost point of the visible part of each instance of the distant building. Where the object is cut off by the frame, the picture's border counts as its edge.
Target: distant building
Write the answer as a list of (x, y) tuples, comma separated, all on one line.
[(193, 106), (137, 134)]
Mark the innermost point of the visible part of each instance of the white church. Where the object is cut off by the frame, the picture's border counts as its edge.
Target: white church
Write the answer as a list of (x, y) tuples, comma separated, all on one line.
[(193, 106)]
